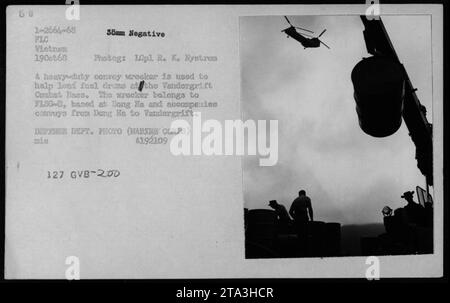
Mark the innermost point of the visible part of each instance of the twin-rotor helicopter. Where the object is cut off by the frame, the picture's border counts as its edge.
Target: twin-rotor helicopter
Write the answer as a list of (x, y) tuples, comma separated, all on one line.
[(306, 40)]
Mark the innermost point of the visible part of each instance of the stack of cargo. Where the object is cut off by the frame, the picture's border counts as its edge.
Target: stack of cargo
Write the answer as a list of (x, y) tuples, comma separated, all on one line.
[(315, 239), (332, 239), (265, 239), (261, 228)]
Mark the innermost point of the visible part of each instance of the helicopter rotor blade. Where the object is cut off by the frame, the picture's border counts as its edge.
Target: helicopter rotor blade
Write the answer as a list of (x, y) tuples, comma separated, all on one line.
[(288, 21), (325, 44), (303, 29), (303, 34), (322, 33)]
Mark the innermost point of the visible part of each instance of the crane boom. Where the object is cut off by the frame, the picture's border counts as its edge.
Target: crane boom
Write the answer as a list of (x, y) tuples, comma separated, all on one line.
[(414, 113)]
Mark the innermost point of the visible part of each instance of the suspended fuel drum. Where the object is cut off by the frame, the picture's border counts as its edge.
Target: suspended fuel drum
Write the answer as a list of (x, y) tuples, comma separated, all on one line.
[(379, 86)]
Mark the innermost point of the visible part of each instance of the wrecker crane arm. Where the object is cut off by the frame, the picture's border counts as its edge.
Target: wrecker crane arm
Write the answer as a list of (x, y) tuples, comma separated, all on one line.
[(414, 113)]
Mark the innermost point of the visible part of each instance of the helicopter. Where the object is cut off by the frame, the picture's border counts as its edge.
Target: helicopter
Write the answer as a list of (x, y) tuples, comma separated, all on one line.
[(302, 38)]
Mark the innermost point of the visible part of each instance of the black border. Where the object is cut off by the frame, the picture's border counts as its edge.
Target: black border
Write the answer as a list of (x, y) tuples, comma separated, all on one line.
[(283, 288)]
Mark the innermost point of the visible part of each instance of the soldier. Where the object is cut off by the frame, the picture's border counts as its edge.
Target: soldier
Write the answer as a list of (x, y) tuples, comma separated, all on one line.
[(414, 212), (283, 217), (301, 208), (302, 212)]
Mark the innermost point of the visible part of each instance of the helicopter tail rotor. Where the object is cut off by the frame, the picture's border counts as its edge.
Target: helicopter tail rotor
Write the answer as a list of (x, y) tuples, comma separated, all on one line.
[(322, 33), (324, 44), (321, 40)]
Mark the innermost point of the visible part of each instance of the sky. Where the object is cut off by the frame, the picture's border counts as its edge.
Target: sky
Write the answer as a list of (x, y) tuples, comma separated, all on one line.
[(350, 176)]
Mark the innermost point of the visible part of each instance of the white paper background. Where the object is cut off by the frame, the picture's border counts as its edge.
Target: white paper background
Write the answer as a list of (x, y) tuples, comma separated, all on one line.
[(166, 216)]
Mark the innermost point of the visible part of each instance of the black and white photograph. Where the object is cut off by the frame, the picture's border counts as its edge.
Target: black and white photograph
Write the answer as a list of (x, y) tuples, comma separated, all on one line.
[(353, 97), (223, 142)]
